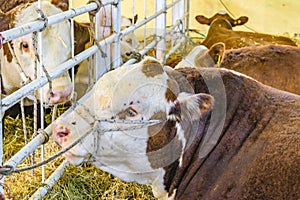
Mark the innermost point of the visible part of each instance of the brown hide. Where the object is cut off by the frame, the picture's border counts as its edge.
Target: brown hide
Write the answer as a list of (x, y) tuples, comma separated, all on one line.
[(62, 4), (81, 36), (7, 5), (6, 21), (257, 155), (7, 10), (220, 30), (274, 65)]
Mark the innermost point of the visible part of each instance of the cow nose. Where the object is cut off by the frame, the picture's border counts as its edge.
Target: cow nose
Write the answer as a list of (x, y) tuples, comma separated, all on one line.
[(59, 96), (60, 132)]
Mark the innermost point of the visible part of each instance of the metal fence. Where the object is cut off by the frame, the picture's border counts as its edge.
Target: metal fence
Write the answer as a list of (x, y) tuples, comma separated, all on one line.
[(108, 40)]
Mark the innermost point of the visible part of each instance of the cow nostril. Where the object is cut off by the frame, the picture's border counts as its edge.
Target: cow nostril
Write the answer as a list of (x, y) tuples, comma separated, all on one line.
[(62, 134), (60, 95)]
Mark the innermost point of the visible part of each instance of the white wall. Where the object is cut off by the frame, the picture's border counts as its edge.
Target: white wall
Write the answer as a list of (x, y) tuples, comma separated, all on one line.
[(268, 16)]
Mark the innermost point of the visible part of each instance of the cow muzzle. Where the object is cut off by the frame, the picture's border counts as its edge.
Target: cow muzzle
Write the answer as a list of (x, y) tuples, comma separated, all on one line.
[(60, 95)]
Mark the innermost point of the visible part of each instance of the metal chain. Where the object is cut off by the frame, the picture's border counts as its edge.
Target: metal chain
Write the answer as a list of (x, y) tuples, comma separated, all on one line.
[(93, 35), (8, 169)]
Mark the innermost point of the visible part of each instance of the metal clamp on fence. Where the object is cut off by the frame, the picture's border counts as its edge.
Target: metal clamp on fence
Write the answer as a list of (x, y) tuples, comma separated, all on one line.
[(43, 18), (99, 5)]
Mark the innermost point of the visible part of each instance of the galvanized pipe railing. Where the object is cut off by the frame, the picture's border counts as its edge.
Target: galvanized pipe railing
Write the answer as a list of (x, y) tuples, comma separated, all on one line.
[(34, 85)]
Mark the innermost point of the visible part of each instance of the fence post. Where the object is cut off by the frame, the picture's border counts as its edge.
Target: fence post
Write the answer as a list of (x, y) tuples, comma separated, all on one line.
[(103, 28), (160, 30), (178, 12), (187, 20), (116, 16)]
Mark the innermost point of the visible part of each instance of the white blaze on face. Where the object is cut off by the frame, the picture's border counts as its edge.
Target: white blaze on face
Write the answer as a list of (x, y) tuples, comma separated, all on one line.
[(56, 46)]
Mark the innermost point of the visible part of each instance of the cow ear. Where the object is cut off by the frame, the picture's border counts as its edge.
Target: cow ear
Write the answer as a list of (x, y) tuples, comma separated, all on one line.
[(202, 19), (216, 52), (134, 19), (196, 105), (242, 20)]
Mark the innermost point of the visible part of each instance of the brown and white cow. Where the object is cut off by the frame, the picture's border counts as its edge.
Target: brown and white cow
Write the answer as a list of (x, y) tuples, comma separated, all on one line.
[(18, 56), (274, 65), (220, 30), (221, 134)]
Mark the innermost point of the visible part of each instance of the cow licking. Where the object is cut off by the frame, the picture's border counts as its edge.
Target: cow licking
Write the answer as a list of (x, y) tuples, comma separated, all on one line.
[(211, 141)]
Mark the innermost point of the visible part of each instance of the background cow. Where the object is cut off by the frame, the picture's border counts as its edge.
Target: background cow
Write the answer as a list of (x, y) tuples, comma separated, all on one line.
[(220, 30), (18, 56), (274, 65), (240, 141), (129, 44)]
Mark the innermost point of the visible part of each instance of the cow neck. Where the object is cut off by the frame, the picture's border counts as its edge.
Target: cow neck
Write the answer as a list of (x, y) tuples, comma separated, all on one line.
[(168, 147), (245, 115)]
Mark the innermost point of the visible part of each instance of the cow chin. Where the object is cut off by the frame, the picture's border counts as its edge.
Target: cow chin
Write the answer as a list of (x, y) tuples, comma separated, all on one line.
[(73, 159)]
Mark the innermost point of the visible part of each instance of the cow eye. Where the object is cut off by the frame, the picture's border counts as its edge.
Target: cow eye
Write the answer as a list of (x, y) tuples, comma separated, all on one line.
[(129, 40), (131, 112), (25, 45)]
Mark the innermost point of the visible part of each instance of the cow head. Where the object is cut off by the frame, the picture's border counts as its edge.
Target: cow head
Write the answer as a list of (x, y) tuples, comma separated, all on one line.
[(224, 16), (201, 56), (143, 91), (211, 57), (18, 56), (130, 38)]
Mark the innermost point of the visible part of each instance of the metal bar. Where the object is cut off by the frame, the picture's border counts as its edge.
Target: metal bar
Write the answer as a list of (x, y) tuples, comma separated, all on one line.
[(182, 40), (116, 21), (177, 13), (104, 27), (38, 25), (151, 17), (153, 44), (142, 52), (38, 140), (187, 21), (40, 55), (28, 89), (160, 24), (49, 183), (145, 26)]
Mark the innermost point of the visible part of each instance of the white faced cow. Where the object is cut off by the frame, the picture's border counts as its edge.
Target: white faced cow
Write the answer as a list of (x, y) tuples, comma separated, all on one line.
[(241, 141), (18, 56)]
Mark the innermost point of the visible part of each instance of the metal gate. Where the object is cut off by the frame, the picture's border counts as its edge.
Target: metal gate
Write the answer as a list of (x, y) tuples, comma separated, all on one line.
[(170, 20)]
